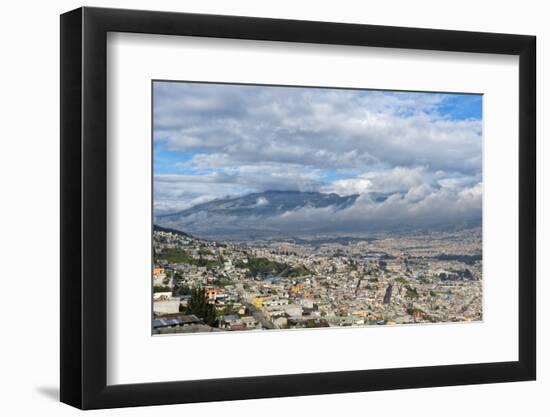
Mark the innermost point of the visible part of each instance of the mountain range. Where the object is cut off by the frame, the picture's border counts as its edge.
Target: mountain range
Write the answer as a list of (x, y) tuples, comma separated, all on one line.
[(244, 217), (292, 214), (267, 203)]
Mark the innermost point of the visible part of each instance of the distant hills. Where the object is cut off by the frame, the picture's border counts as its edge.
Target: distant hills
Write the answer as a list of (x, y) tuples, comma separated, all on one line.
[(244, 217), (264, 215), (158, 228), (267, 203)]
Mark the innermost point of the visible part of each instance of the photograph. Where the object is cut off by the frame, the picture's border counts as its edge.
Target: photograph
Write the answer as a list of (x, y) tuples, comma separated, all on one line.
[(262, 208), (302, 207)]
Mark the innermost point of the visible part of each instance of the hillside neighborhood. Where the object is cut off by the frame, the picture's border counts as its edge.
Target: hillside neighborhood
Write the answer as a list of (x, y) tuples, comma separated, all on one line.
[(211, 286)]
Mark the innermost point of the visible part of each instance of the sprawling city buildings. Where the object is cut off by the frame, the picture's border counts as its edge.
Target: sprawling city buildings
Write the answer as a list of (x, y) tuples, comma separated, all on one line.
[(381, 279)]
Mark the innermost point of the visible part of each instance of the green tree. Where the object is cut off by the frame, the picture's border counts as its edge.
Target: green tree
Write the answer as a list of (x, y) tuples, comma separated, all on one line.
[(411, 292), (199, 306), (182, 290)]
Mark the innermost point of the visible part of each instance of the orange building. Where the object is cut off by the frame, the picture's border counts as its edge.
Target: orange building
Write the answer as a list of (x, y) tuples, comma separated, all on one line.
[(158, 271), (211, 293)]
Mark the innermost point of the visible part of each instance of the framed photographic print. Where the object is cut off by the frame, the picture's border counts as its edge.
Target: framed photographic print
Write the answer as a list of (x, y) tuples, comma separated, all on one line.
[(283, 208)]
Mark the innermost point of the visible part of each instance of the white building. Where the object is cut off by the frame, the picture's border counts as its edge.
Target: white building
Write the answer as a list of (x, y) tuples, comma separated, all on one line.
[(166, 306)]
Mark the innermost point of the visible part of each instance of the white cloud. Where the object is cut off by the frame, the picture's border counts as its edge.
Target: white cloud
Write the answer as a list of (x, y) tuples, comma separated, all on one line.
[(315, 128), (236, 140), (349, 186), (262, 201), (421, 206)]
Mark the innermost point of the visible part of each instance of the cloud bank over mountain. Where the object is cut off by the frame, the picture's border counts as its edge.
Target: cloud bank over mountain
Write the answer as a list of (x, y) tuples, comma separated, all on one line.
[(422, 152)]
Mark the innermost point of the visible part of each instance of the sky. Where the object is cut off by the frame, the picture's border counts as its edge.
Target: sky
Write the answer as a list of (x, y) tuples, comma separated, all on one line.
[(424, 150)]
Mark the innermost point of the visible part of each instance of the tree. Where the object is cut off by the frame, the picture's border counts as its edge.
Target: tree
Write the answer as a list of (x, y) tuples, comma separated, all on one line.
[(199, 306), (411, 292), (182, 290)]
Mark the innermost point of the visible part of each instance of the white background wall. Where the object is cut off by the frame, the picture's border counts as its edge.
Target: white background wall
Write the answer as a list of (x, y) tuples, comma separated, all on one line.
[(29, 175)]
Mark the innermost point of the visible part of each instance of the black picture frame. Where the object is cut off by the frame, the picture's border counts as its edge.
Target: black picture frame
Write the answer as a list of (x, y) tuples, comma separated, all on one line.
[(84, 207)]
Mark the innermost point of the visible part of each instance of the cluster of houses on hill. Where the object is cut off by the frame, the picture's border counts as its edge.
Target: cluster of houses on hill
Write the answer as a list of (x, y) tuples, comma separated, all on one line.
[(282, 285)]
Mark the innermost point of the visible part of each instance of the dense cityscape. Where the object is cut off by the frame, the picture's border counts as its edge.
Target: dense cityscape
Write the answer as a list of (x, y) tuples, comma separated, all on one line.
[(323, 281)]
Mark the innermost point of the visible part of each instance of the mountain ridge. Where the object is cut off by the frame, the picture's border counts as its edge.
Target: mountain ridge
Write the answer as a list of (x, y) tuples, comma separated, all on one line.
[(270, 202), (277, 214)]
